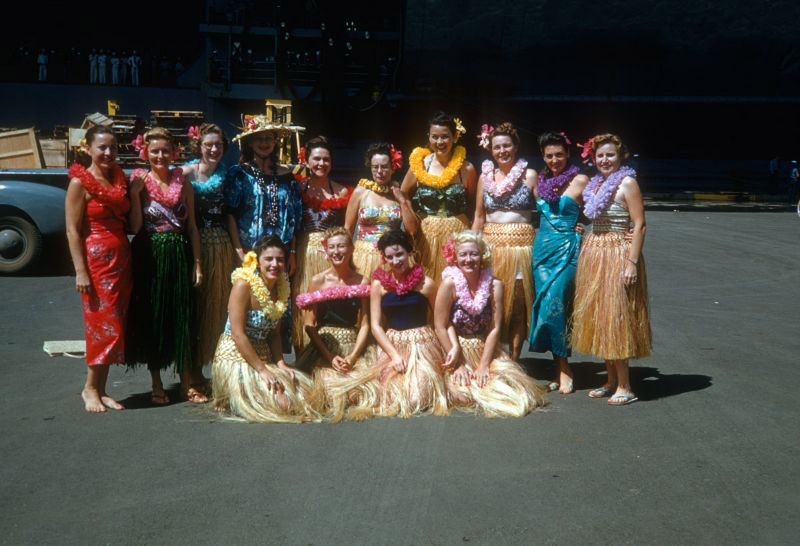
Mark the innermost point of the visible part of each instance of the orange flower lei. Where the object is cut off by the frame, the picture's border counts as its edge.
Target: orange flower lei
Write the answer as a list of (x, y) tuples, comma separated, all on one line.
[(417, 158)]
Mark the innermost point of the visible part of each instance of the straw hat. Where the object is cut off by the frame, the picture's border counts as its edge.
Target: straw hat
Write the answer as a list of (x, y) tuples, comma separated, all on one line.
[(261, 124)]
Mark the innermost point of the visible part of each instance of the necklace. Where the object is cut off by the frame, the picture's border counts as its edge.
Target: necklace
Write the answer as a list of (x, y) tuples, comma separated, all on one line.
[(597, 201), (548, 188), (117, 194), (269, 190), (327, 203), (417, 160), (472, 304), (391, 284), (374, 186), (169, 198), (341, 292), (498, 189), (274, 310), (214, 182)]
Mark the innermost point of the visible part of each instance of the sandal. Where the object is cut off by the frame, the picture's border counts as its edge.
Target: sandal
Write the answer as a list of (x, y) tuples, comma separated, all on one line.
[(622, 399), (159, 399), (195, 397), (552, 386), (600, 392)]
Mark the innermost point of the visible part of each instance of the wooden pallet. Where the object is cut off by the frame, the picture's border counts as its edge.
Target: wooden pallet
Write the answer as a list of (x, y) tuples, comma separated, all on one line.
[(20, 150)]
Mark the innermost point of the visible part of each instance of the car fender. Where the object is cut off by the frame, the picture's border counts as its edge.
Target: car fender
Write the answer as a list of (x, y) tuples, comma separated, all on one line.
[(43, 204)]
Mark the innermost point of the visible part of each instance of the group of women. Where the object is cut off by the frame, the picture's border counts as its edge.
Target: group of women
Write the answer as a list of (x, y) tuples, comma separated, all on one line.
[(397, 297)]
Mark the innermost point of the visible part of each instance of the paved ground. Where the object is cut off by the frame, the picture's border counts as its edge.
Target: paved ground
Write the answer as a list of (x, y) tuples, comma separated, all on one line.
[(709, 456)]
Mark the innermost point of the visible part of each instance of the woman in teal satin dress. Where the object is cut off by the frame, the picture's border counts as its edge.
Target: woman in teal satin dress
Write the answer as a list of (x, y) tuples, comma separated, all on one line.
[(555, 254)]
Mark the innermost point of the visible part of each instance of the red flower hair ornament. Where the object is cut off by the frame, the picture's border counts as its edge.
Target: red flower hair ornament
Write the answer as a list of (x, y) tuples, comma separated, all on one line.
[(396, 157), (194, 133)]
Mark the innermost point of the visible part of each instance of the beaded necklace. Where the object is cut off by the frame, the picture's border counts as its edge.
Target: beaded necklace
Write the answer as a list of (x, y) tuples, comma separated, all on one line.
[(270, 191)]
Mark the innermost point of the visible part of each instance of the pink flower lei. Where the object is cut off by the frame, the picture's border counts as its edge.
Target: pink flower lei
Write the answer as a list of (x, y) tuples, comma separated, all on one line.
[(343, 292), (473, 305), (173, 194), (597, 201), (414, 277), (497, 189)]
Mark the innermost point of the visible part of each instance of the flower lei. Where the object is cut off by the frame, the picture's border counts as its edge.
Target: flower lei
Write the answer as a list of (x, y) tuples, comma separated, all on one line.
[(548, 188), (509, 181), (417, 158), (374, 186), (342, 292), (328, 203), (598, 201), (214, 182), (274, 310), (173, 194), (473, 305), (392, 285), (119, 189)]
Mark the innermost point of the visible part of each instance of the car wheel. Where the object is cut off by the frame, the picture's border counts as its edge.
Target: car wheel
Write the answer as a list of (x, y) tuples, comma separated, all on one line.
[(20, 244)]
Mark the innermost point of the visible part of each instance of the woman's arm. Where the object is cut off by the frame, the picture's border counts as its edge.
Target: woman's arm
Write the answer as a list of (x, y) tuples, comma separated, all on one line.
[(471, 183), (233, 231), (481, 375), (194, 233), (376, 319), (409, 217), (351, 214), (74, 207), (363, 333), (276, 347), (633, 199), (310, 326), (135, 216), (409, 184), (232, 190), (442, 325), (480, 208)]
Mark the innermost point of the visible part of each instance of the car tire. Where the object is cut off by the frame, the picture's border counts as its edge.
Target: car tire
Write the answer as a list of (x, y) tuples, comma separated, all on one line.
[(20, 245)]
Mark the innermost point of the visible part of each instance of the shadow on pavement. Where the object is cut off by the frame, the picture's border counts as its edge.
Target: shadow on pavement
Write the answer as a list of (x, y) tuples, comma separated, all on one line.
[(142, 400), (648, 383)]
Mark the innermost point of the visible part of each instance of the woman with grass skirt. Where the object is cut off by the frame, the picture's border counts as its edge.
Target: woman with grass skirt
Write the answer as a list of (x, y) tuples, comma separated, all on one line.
[(441, 185), (410, 358), (611, 319), (207, 175), (161, 313), (324, 205), (336, 317), (377, 206), (250, 380), (479, 375), (559, 196)]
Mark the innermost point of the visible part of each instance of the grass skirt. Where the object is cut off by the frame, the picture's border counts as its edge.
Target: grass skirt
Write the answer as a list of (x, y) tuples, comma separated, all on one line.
[(160, 319), (366, 257), (610, 320), (510, 391), (512, 246), (211, 299), (311, 260), (240, 393), (434, 232), (352, 395), (420, 389)]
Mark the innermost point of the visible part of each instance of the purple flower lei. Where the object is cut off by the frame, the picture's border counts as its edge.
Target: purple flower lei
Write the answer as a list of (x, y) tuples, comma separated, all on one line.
[(548, 187), (597, 202)]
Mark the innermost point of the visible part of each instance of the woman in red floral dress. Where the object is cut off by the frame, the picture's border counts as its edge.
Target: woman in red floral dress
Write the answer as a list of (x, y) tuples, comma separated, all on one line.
[(96, 207)]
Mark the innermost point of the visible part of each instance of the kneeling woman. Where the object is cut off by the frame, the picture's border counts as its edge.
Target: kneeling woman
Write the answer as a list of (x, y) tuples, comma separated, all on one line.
[(410, 361), (469, 315), (336, 319), (247, 383)]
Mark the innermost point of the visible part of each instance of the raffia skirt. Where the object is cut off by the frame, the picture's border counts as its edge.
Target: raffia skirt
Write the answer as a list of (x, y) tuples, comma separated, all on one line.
[(610, 320), (211, 299), (510, 391), (420, 389), (311, 260), (352, 395), (434, 231), (240, 393), (366, 257), (512, 246)]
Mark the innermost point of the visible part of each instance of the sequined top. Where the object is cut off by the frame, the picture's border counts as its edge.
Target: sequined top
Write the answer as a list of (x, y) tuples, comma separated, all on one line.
[(471, 325), (263, 206), (375, 221), (449, 201), (518, 199), (615, 219), (160, 218), (257, 325), (209, 199), (405, 312)]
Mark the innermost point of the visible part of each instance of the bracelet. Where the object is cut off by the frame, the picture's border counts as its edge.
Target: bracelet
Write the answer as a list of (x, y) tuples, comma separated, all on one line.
[(634, 262)]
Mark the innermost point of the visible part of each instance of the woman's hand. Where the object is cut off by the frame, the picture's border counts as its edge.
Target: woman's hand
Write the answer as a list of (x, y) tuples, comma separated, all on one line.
[(340, 364), (453, 356), (398, 195), (198, 275), (481, 376), (399, 364), (273, 385), (135, 186), (580, 229), (461, 376), (240, 254), (629, 276), (82, 283), (282, 365)]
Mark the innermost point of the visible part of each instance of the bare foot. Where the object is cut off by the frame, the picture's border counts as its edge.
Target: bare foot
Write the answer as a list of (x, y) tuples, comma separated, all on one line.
[(566, 385), (92, 402), (111, 403)]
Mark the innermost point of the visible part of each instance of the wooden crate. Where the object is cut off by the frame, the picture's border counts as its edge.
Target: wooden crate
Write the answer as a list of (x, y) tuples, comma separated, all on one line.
[(54, 152), (20, 150)]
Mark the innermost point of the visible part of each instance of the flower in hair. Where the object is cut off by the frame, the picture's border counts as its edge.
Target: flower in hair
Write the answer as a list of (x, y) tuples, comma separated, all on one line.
[(194, 133), (139, 145), (566, 138), (83, 143), (586, 153), (449, 250), (484, 138), (301, 155), (460, 130), (396, 156)]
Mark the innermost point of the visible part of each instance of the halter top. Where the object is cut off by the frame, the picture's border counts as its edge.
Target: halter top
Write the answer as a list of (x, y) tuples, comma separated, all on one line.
[(405, 312), (615, 219), (257, 325), (449, 201)]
